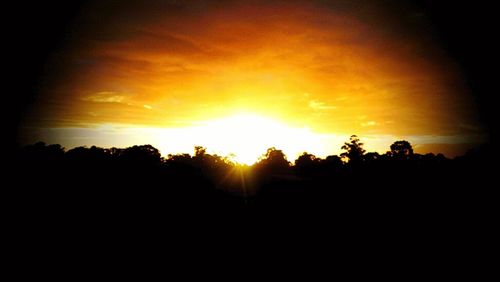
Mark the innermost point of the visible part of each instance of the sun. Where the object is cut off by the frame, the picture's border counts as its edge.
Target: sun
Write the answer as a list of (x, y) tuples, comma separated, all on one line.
[(247, 136)]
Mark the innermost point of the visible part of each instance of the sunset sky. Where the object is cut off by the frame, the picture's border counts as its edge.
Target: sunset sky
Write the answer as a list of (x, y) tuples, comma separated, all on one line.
[(241, 76)]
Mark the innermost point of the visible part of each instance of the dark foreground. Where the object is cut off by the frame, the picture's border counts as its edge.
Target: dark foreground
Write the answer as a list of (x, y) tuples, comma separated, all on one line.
[(91, 196), (136, 183)]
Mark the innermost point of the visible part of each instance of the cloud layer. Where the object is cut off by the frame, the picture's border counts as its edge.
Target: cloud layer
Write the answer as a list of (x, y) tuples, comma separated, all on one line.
[(337, 67)]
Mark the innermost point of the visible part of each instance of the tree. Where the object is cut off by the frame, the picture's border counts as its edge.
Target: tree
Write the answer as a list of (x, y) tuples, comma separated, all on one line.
[(141, 155), (307, 163), (274, 160), (39, 154), (371, 157), (401, 150), (200, 151), (353, 150), (306, 159)]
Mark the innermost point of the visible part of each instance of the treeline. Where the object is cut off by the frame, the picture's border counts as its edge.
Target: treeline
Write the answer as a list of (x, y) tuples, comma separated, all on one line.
[(143, 167), (105, 186)]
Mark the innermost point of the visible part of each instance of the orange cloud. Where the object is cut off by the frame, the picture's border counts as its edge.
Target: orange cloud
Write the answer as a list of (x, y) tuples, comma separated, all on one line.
[(177, 63)]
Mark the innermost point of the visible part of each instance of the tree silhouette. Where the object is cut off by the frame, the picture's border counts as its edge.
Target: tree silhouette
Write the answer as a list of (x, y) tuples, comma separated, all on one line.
[(141, 155), (401, 150), (353, 150), (273, 161), (307, 163), (306, 159), (200, 151), (371, 157), (43, 152), (333, 161), (138, 178)]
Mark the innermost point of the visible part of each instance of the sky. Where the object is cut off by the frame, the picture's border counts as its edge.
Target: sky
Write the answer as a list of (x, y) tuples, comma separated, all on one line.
[(241, 76)]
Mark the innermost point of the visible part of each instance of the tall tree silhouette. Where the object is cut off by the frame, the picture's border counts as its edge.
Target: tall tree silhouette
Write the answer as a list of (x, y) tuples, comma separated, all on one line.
[(353, 150)]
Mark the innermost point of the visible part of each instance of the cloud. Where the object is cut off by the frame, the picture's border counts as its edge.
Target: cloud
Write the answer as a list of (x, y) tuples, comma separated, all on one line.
[(317, 105), (368, 123), (105, 97), (206, 59)]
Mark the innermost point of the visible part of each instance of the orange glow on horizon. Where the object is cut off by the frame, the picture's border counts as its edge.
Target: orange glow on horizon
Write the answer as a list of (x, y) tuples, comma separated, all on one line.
[(240, 77), (247, 136)]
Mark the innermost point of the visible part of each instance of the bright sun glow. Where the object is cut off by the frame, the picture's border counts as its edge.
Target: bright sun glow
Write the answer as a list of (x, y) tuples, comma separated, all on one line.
[(248, 136), (242, 76)]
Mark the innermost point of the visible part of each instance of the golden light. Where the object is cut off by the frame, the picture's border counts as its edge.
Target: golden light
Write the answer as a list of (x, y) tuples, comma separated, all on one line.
[(248, 136), (184, 79)]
